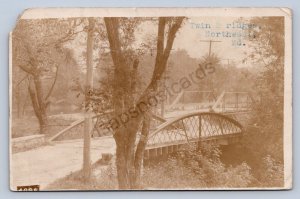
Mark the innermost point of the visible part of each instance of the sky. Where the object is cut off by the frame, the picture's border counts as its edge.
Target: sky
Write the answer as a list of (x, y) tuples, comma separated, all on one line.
[(195, 34), (193, 37)]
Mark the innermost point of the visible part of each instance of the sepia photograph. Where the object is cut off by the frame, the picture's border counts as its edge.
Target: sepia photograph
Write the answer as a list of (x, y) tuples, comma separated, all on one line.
[(151, 99)]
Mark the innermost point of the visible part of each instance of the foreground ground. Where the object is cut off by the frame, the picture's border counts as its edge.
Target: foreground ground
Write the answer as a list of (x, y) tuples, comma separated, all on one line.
[(42, 166)]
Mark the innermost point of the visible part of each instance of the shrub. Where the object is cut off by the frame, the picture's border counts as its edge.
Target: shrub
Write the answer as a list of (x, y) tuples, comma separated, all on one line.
[(192, 168), (271, 173)]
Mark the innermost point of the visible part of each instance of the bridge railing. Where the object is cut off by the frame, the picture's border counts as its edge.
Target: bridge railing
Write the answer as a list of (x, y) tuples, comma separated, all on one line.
[(233, 101), (101, 127), (76, 129), (195, 99), (193, 127)]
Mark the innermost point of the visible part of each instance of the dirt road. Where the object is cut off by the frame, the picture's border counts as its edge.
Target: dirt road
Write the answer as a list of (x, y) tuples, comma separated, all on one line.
[(42, 166)]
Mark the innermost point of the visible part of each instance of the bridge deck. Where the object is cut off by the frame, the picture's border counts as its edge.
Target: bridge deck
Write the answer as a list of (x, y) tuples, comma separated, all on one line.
[(193, 140)]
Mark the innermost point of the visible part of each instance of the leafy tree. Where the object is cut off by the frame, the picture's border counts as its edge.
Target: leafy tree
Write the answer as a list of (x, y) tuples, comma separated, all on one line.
[(129, 159), (38, 49), (264, 140), (268, 51)]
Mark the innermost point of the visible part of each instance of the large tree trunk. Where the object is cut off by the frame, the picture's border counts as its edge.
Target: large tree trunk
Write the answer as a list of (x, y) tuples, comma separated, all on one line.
[(121, 88), (139, 154), (129, 160), (36, 95), (125, 154), (121, 162)]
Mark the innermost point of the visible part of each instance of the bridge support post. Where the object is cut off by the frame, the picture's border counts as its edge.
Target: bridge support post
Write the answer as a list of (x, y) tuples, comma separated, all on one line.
[(224, 102), (165, 151), (159, 151), (237, 101), (175, 149), (152, 153), (200, 129), (146, 158), (170, 149), (142, 167), (221, 126), (146, 154)]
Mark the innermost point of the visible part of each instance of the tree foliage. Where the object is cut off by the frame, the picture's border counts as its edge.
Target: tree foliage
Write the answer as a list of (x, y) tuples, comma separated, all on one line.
[(129, 159), (265, 138)]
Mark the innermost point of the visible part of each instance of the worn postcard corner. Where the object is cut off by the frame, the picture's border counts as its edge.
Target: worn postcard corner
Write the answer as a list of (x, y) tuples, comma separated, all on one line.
[(151, 99)]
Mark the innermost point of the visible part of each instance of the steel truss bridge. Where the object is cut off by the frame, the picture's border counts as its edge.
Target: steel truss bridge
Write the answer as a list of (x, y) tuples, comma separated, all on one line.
[(191, 128), (220, 124)]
